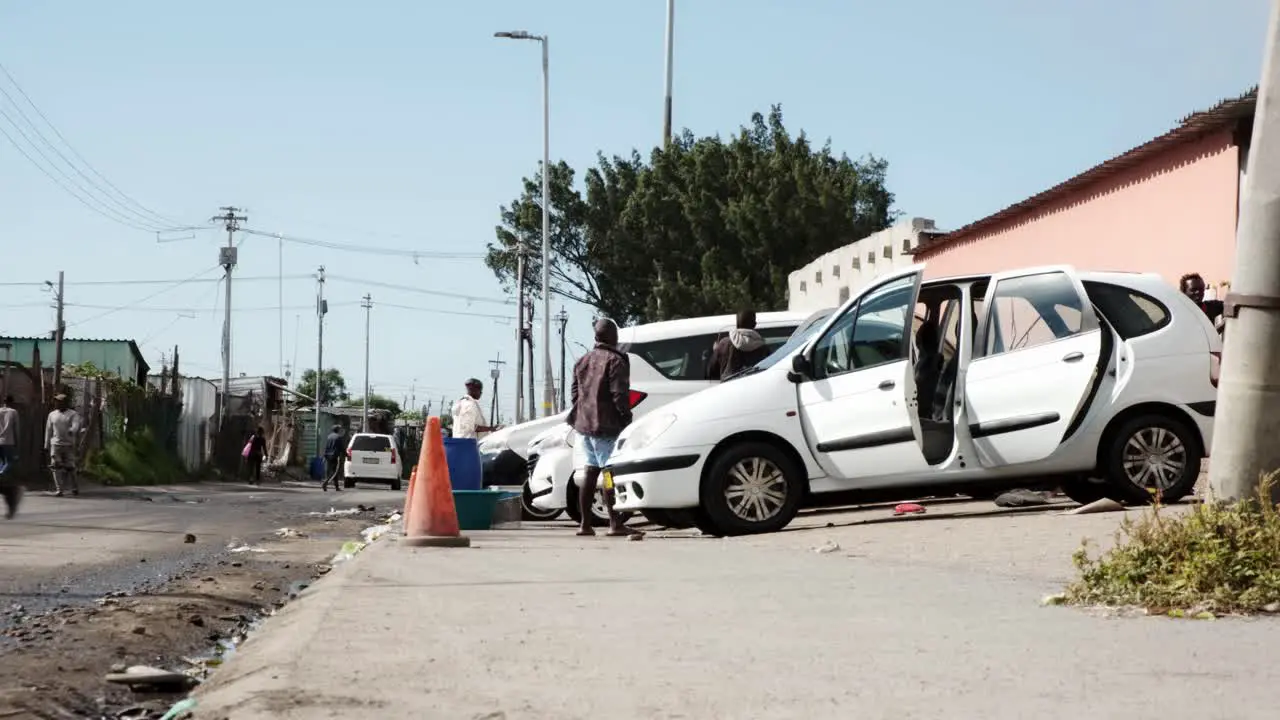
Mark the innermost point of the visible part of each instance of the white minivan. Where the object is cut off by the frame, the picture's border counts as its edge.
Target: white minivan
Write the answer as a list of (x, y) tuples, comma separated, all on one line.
[(668, 361), (1103, 383)]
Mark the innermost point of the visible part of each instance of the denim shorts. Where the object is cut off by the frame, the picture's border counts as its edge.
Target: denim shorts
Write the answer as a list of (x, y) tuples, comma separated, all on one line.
[(597, 450)]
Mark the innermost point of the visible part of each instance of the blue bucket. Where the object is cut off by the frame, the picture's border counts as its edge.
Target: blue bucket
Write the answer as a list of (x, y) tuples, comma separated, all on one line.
[(463, 458), (317, 468)]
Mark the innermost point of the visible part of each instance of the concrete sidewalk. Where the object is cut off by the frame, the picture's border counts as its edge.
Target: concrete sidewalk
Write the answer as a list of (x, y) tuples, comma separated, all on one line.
[(536, 623)]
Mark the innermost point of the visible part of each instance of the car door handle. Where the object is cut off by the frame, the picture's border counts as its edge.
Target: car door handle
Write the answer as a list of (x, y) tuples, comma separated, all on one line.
[(887, 385), (1073, 357)]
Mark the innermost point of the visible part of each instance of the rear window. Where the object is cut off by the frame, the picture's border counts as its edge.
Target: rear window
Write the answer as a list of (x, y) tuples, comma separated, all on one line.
[(370, 443), (686, 358), (1130, 312)]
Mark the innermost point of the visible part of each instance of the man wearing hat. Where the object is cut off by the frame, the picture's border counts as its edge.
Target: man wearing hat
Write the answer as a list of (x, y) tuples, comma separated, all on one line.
[(61, 435), (468, 417)]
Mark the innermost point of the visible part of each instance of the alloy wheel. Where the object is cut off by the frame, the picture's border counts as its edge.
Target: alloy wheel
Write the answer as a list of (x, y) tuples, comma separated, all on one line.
[(756, 489), (1154, 458)]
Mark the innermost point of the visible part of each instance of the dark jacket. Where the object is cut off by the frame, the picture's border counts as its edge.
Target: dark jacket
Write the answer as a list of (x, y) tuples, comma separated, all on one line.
[(739, 350), (334, 445), (601, 393), (257, 447)]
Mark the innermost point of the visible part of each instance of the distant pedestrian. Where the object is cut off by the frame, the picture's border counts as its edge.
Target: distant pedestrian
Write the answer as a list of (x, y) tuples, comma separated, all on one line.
[(1193, 286), (601, 410), (12, 492), (335, 457), (61, 438), (257, 454), (468, 417), (742, 348)]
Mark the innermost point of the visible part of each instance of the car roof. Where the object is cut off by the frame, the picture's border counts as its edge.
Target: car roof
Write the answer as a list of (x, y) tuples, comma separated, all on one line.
[(368, 434), (669, 329)]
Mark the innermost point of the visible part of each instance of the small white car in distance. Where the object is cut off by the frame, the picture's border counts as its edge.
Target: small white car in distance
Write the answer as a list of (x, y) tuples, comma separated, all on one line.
[(372, 458), (1103, 383), (668, 362)]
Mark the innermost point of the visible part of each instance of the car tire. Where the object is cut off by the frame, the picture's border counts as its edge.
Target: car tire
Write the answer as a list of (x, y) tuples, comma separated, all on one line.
[(396, 485), (348, 483), (1175, 447), (528, 511), (671, 519), (750, 467)]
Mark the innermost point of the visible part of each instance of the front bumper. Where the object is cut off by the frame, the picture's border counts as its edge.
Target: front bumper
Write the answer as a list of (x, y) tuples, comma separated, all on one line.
[(668, 479), (506, 468), (549, 481)]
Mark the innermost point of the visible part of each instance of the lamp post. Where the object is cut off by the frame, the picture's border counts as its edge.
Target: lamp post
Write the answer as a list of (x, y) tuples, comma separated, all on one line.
[(548, 381)]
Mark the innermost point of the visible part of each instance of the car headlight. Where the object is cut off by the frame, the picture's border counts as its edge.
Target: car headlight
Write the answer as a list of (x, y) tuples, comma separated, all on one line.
[(649, 430), (558, 437)]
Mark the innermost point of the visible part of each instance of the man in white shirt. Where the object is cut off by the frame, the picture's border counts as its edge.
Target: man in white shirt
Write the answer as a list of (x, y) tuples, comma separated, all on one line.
[(61, 436), (468, 418)]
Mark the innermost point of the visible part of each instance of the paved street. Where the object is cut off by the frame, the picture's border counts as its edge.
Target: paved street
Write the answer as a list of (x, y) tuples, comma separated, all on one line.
[(923, 618), (62, 550)]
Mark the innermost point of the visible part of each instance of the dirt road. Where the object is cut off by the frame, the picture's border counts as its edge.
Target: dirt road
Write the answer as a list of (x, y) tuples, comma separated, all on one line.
[(166, 577)]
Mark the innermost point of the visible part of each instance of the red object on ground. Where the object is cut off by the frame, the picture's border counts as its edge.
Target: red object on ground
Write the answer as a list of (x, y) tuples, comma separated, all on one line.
[(433, 519), (908, 509)]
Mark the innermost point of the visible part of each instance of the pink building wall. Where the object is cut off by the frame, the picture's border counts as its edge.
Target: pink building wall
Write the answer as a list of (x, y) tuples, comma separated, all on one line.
[(1172, 215)]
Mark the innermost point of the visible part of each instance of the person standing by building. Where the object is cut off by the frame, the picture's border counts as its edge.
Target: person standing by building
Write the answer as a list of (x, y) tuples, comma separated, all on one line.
[(601, 410), (742, 348), (257, 455), (8, 443), (468, 417), (334, 458), (61, 438)]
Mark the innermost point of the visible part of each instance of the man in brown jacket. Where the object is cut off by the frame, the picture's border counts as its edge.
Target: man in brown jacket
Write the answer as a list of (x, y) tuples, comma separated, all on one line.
[(601, 409)]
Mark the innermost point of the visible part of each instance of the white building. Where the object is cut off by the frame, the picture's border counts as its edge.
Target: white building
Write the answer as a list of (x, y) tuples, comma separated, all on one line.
[(829, 280)]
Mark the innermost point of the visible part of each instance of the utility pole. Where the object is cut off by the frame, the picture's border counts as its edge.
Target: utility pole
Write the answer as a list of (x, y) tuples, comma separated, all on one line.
[(532, 413), (368, 312), (322, 308), (58, 332), (520, 333), (494, 373), (413, 396), (563, 317), (548, 377), (666, 109), (227, 257), (1245, 446)]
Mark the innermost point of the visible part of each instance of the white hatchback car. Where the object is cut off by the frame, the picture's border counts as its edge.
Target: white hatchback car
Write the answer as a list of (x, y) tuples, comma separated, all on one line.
[(668, 362), (1102, 383), (372, 458)]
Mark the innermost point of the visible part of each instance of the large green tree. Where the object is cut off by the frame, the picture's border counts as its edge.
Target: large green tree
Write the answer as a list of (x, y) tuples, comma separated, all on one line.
[(378, 402), (705, 226), (332, 383)]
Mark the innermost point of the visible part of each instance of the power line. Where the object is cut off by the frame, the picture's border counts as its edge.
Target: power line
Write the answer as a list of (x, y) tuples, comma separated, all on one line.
[(112, 283), (144, 210), (367, 249), (141, 300), (445, 312), (423, 291)]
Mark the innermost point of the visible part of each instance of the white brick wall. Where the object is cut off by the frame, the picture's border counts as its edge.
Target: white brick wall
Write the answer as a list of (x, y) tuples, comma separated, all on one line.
[(831, 279)]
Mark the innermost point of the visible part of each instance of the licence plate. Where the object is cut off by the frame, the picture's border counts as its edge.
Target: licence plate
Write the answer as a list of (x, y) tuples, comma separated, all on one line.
[(372, 461), (608, 480)]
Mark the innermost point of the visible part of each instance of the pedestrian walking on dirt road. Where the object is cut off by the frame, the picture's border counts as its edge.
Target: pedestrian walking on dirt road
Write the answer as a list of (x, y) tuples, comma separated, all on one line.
[(257, 454), (334, 458), (742, 348), (61, 437), (12, 492), (468, 417), (601, 409)]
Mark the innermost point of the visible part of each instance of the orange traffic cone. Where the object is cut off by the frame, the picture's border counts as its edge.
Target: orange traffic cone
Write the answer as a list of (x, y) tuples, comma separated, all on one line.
[(433, 519), (408, 496)]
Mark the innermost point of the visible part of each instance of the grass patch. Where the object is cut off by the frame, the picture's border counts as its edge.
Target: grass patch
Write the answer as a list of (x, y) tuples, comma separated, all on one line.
[(1217, 558), (136, 459)]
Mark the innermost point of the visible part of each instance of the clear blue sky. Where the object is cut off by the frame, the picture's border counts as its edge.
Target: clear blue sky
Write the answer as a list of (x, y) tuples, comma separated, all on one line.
[(405, 124)]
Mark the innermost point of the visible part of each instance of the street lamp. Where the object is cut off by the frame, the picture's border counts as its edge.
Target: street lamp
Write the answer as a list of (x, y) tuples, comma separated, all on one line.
[(548, 382)]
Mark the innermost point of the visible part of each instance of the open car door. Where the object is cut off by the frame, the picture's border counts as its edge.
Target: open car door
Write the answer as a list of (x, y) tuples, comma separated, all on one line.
[(856, 388), (1033, 364)]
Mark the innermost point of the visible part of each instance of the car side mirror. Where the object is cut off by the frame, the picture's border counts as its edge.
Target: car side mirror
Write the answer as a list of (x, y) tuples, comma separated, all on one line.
[(800, 368)]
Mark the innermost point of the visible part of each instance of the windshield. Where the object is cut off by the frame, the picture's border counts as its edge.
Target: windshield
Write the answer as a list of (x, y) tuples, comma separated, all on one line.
[(798, 338)]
